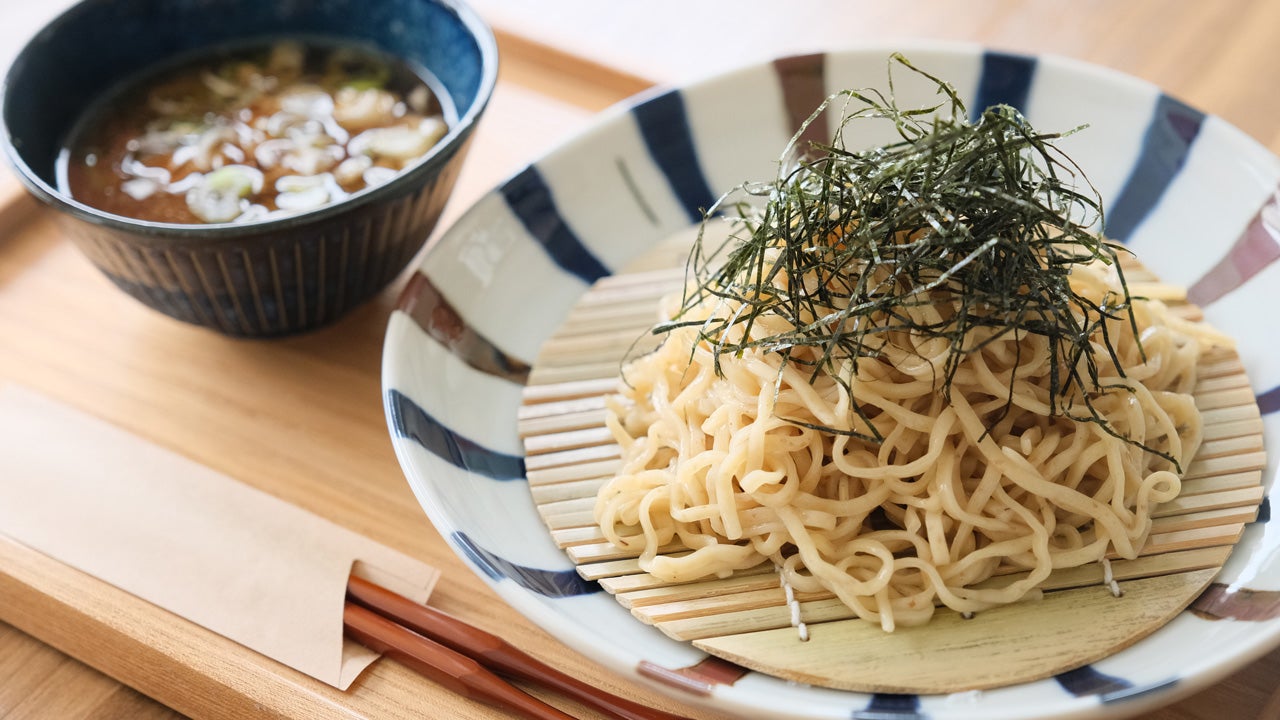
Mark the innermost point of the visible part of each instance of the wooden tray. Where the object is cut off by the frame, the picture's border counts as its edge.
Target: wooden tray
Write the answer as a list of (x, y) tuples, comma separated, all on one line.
[(746, 618), (303, 418)]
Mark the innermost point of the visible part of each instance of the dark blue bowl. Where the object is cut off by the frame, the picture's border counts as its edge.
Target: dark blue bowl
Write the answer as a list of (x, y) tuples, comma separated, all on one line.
[(257, 279)]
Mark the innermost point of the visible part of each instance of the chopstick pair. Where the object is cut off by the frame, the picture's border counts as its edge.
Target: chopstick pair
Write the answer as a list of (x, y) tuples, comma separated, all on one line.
[(468, 660)]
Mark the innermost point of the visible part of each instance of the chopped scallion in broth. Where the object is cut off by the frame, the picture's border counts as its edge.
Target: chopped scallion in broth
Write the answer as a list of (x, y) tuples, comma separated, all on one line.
[(252, 134)]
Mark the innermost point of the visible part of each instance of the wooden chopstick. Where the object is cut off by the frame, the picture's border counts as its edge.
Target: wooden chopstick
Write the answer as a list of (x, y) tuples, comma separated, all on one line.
[(453, 670), (488, 650)]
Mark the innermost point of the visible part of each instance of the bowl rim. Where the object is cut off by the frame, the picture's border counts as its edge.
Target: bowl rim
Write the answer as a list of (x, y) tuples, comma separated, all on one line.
[(212, 233)]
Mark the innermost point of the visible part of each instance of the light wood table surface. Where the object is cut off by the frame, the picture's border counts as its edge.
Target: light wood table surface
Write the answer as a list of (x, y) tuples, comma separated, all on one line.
[(301, 418)]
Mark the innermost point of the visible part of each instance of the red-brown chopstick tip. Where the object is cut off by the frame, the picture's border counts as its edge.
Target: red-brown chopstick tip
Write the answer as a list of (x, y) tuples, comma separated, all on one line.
[(458, 673)]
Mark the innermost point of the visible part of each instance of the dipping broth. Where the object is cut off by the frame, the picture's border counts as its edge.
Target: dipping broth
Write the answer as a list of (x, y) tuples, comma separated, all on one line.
[(251, 134)]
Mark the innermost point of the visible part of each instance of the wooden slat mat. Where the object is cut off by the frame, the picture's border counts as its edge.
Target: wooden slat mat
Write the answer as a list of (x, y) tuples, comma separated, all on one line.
[(745, 618)]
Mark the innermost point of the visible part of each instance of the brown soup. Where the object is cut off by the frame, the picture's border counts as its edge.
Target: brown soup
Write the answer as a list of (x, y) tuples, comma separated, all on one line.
[(252, 134)]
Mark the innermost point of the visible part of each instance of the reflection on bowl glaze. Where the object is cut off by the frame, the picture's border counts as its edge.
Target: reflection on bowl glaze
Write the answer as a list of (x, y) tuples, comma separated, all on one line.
[(1224, 602)]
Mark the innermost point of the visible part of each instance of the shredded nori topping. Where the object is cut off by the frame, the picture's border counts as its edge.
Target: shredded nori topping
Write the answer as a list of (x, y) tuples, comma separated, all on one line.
[(987, 213)]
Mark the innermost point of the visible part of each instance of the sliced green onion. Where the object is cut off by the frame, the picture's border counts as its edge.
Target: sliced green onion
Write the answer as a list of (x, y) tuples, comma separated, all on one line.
[(218, 196)]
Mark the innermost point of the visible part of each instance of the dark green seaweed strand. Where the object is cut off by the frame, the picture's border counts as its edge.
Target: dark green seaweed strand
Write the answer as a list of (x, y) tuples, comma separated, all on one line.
[(988, 213)]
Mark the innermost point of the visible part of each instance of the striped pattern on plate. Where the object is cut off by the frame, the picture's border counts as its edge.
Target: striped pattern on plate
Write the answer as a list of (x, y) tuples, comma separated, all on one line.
[(1194, 197)]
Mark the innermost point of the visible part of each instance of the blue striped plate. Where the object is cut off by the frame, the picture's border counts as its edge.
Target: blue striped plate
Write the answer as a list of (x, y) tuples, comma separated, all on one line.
[(1193, 196)]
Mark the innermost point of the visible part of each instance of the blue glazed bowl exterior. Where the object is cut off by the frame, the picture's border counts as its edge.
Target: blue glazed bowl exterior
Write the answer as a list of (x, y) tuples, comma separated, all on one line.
[(259, 279)]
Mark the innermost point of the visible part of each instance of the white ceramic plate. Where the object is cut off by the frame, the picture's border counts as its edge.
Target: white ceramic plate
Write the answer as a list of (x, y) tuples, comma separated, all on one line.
[(1194, 197)]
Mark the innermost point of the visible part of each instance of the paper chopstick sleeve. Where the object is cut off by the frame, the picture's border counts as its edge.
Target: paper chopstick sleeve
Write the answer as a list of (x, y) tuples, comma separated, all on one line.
[(204, 546)]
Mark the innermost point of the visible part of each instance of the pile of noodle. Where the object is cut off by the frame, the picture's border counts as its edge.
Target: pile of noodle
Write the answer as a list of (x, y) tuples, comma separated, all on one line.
[(980, 481)]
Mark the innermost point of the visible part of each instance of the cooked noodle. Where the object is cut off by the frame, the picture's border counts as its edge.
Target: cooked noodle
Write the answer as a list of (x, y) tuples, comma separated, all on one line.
[(726, 470)]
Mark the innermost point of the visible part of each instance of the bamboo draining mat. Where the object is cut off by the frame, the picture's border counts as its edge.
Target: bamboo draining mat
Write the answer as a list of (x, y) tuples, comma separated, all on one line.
[(746, 618)]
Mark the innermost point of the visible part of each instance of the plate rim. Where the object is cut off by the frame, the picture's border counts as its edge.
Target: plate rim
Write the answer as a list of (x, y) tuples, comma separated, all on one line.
[(1212, 665)]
